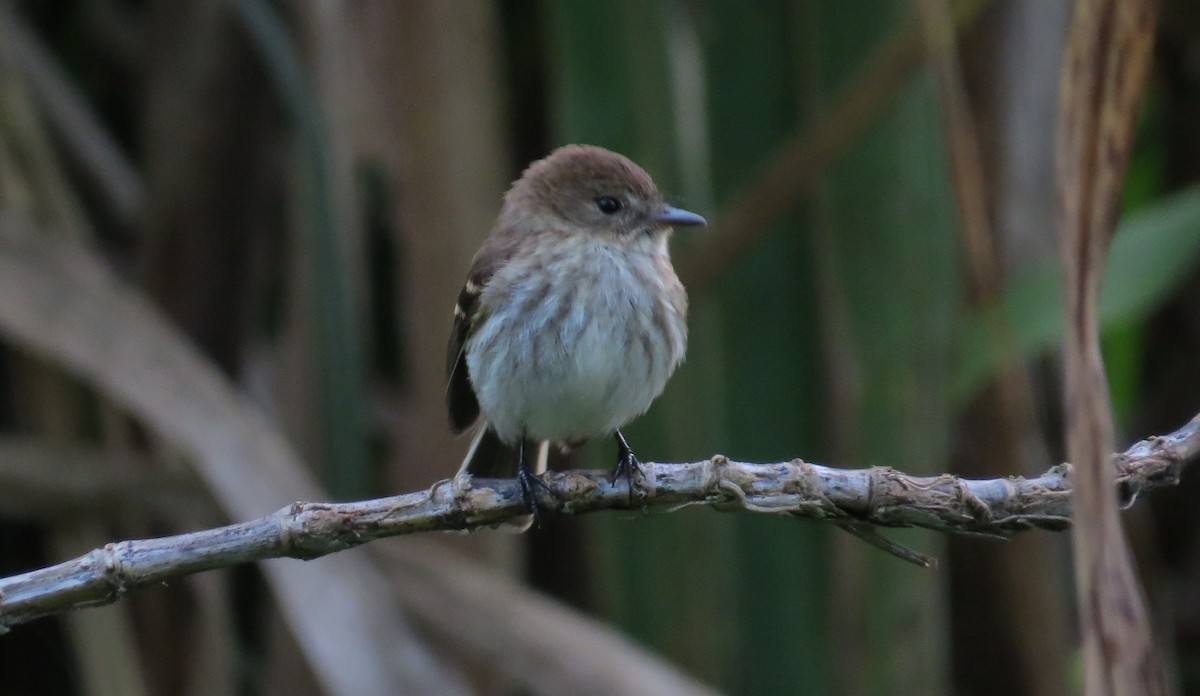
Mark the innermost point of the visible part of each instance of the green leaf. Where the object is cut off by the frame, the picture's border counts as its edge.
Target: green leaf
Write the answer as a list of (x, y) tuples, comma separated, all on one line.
[(1151, 253)]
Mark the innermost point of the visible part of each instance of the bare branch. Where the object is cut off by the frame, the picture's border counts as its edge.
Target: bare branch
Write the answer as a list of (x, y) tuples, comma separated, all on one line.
[(856, 499)]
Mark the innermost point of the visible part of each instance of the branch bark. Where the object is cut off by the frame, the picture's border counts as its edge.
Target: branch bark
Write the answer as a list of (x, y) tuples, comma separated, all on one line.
[(858, 500)]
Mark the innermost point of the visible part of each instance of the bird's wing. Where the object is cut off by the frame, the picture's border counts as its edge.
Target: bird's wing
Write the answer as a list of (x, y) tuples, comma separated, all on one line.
[(461, 401)]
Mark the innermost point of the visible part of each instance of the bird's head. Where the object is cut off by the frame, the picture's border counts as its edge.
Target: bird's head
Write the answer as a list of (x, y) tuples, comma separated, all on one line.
[(583, 187)]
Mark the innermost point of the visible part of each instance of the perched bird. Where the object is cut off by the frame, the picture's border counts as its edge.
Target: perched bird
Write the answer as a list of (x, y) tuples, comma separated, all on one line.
[(571, 319)]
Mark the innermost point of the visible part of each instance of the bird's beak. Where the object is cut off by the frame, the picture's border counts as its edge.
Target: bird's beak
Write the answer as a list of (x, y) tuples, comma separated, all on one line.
[(677, 217)]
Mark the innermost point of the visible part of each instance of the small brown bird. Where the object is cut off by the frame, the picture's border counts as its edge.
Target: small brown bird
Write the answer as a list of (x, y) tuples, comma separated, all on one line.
[(571, 319)]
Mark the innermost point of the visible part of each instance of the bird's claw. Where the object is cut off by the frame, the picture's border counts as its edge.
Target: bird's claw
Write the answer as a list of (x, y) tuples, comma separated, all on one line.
[(629, 468), (529, 482)]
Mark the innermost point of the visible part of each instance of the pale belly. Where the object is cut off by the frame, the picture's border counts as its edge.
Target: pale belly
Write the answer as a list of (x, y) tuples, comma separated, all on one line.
[(569, 374)]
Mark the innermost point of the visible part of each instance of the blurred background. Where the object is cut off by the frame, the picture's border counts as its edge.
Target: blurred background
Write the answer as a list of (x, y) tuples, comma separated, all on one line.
[(235, 231)]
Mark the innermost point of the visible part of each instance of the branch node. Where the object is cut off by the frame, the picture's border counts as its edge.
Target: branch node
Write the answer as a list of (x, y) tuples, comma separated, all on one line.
[(715, 473), (810, 489), (735, 498), (977, 510), (458, 486), (285, 518), (876, 480), (312, 530), (108, 560)]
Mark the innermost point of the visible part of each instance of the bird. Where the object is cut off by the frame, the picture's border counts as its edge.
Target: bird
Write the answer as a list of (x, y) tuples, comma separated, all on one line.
[(571, 319)]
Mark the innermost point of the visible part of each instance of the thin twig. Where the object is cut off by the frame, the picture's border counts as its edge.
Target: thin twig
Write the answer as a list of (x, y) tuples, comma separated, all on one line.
[(850, 498)]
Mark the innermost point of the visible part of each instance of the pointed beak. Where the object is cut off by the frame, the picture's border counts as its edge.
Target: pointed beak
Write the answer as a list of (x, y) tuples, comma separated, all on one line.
[(677, 217)]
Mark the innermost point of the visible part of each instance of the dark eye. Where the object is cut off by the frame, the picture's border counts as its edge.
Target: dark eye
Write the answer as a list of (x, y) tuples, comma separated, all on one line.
[(608, 205)]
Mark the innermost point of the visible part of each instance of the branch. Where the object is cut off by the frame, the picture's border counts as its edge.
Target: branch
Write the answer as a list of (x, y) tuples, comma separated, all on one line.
[(855, 499)]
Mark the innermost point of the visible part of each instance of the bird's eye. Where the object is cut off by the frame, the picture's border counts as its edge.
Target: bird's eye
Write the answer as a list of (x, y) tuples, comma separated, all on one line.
[(608, 205)]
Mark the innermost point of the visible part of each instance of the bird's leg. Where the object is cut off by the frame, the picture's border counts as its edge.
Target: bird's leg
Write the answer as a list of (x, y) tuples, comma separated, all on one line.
[(628, 466), (528, 480)]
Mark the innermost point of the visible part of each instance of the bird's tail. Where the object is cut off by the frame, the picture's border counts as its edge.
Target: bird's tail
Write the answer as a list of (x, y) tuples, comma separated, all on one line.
[(489, 457)]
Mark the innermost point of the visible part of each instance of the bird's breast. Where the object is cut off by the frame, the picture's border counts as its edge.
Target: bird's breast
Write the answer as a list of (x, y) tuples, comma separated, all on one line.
[(577, 345)]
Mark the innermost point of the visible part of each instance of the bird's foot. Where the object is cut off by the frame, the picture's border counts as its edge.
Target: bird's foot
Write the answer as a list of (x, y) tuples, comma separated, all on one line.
[(529, 483), (628, 467)]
